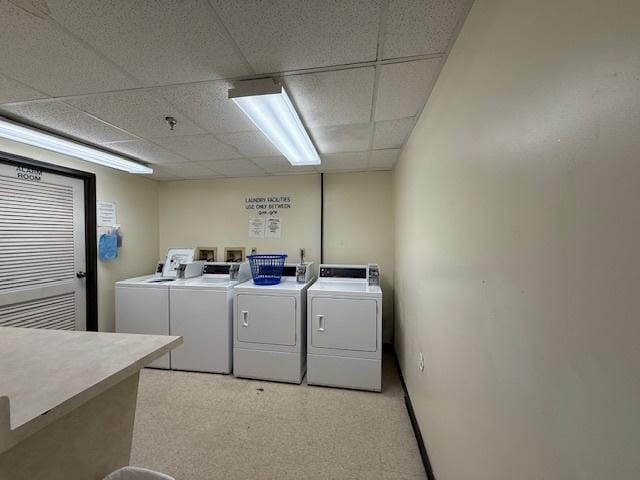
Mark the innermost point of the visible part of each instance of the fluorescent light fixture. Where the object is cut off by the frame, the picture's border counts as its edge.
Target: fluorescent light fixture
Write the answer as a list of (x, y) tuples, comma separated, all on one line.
[(268, 106), (38, 138)]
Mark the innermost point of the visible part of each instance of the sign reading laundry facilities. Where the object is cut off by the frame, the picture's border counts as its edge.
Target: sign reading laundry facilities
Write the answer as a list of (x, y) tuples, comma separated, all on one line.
[(267, 205), (273, 228), (256, 227)]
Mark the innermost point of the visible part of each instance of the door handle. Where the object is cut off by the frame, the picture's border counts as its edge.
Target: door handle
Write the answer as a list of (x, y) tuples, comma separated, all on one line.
[(245, 322), (320, 323), (81, 274)]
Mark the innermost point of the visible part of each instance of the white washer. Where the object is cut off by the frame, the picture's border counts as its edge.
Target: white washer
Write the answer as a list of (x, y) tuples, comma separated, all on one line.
[(269, 341), (344, 316), (142, 306), (201, 311)]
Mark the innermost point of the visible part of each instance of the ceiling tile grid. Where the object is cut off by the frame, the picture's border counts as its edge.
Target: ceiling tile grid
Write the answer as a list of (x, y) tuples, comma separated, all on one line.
[(14, 91), (420, 27), (208, 105), (383, 159), (280, 166), (249, 144), (65, 119), (283, 35), (392, 133), (38, 54), (404, 87), (332, 98), (189, 170), (235, 168), (146, 151), (174, 42), (199, 148), (342, 138), (141, 112), (344, 162), (108, 73)]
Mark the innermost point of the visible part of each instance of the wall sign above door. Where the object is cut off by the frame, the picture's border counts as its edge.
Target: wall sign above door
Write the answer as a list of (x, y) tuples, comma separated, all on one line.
[(29, 173)]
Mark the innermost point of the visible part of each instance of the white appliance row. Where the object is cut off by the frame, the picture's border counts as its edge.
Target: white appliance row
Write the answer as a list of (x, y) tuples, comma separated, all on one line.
[(331, 329), (199, 309)]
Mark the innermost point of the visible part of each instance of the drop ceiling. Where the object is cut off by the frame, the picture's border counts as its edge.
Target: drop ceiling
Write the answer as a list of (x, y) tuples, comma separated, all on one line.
[(108, 72)]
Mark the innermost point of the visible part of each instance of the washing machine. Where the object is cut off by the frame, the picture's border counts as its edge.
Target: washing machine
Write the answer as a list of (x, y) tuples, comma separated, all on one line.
[(142, 303), (344, 318), (201, 311), (269, 341)]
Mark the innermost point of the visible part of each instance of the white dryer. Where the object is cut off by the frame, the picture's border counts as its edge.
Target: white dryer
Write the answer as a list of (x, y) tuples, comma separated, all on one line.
[(269, 341), (344, 316), (142, 306), (201, 311)]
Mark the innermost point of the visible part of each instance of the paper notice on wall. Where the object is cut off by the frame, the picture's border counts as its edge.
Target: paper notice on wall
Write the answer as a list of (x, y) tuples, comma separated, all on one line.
[(273, 228), (106, 214), (256, 227)]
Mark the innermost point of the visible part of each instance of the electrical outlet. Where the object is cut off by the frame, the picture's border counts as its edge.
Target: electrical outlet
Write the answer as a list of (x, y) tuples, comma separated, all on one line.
[(421, 362)]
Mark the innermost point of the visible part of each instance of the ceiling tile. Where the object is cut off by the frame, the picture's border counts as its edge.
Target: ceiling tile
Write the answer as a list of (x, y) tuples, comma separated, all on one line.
[(337, 162), (162, 173), (12, 91), (36, 52), (383, 159), (235, 168), (67, 120), (392, 133), (190, 170), (403, 88), (174, 41), (140, 112), (209, 106), (145, 151), (333, 98), (250, 144), (342, 138), (199, 147), (281, 35), (419, 27), (280, 165)]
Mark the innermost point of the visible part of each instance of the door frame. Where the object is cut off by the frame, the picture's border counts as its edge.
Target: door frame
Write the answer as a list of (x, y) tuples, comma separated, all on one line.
[(90, 241)]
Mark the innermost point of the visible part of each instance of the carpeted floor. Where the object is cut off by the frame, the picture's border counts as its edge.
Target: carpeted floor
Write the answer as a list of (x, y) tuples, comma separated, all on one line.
[(196, 426)]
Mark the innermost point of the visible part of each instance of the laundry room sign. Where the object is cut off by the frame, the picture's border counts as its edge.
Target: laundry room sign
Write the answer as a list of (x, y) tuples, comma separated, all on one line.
[(267, 205)]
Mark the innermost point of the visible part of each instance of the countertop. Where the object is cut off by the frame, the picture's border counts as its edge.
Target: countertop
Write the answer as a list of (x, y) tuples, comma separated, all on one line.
[(45, 374)]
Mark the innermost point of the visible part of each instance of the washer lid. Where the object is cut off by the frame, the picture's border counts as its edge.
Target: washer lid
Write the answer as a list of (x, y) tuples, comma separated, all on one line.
[(215, 282), (286, 285), (356, 289), (148, 281)]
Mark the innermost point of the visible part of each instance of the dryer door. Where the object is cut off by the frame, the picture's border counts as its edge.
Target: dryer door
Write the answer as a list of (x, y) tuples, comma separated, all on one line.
[(266, 319), (344, 324)]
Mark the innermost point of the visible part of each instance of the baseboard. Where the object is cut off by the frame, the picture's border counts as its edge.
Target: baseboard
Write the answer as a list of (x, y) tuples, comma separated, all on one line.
[(414, 421)]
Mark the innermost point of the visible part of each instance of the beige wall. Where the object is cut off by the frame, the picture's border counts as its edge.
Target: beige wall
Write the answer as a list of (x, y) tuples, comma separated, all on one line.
[(358, 218), (212, 213), (517, 200), (137, 210)]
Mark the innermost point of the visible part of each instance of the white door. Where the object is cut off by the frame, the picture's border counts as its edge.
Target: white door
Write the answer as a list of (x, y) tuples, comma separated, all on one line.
[(344, 324), (267, 319), (42, 249)]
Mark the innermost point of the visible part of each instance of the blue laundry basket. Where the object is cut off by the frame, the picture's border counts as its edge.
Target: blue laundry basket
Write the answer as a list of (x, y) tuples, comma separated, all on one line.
[(266, 269)]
